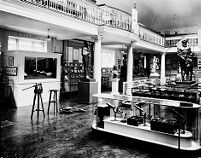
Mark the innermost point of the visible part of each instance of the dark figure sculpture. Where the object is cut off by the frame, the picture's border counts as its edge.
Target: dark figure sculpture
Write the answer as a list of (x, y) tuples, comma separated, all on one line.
[(114, 72), (186, 60), (140, 66), (123, 74), (86, 59)]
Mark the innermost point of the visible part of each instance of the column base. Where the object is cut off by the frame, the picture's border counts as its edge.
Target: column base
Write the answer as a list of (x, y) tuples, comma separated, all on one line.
[(85, 91)]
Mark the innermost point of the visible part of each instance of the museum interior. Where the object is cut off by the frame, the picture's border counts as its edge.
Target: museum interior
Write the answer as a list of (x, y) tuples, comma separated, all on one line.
[(71, 70)]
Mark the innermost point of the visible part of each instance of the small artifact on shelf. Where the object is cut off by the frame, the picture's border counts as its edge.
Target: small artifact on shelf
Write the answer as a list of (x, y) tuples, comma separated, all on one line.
[(48, 73), (68, 110), (186, 104), (135, 120)]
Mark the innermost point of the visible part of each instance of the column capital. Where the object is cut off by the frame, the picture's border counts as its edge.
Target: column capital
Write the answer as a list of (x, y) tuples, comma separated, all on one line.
[(132, 44), (95, 38), (163, 53)]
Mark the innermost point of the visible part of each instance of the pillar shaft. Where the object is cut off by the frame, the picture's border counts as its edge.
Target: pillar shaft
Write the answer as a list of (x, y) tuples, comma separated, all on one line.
[(130, 64), (163, 80), (97, 63)]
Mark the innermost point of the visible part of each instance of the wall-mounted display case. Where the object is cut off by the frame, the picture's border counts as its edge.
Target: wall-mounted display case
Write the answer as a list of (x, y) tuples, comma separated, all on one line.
[(71, 75), (26, 68)]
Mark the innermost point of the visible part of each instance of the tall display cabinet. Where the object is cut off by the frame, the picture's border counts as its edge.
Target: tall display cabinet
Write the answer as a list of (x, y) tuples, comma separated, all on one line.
[(26, 68)]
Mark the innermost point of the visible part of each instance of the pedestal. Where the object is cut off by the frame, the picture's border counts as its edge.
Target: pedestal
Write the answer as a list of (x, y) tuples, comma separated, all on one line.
[(85, 91), (115, 86), (186, 83), (154, 75)]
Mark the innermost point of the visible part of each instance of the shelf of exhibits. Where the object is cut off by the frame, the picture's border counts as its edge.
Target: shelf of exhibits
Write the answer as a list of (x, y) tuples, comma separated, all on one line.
[(160, 121), (72, 66), (26, 68)]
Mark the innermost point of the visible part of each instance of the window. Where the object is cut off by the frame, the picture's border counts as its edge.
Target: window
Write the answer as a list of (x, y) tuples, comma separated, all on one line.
[(12, 43), (108, 60), (25, 44), (18, 43), (39, 68)]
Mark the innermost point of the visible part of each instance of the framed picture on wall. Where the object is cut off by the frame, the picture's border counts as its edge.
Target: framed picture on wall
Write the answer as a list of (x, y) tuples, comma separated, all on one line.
[(199, 61), (199, 67)]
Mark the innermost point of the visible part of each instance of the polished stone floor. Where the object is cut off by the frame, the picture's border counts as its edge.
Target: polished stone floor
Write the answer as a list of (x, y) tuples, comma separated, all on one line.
[(67, 136)]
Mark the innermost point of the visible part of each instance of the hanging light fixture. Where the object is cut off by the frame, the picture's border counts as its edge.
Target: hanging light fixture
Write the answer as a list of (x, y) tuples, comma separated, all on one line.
[(48, 35)]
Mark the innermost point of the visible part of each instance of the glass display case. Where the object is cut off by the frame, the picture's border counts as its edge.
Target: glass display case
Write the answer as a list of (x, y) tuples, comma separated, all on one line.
[(26, 68), (169, 123), (39, 68)]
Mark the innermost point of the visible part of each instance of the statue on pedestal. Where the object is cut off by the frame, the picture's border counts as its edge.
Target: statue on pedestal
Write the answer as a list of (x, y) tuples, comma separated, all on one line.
[(140, 66), (86, 58), (186, 60), (155, 64), (154, 68), (115, 72)]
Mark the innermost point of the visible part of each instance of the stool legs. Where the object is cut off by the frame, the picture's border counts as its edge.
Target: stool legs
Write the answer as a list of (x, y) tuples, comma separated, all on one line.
[(32, 111), (49, 102), (42, 105), (53, 101), (39, 99)]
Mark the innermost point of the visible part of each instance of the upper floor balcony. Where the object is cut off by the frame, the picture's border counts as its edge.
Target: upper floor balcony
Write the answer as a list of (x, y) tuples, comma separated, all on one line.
[(89, 12), (150, 36), (172, 41)]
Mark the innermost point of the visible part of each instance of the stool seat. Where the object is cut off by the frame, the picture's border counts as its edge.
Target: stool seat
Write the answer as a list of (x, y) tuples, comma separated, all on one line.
[(54, 92)]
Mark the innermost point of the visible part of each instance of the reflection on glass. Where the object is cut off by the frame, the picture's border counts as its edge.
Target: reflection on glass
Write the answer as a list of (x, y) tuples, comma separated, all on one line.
[(39, 67)]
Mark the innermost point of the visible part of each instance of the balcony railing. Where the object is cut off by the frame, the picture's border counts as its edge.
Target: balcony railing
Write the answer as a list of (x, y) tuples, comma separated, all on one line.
[(116, 18), (98, 15), (172, 42), (81, 9), (150, 36)]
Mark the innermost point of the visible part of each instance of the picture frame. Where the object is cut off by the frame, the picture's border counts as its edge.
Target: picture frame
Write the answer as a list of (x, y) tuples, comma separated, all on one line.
[(10, 71), (199, 61), (199, 67)]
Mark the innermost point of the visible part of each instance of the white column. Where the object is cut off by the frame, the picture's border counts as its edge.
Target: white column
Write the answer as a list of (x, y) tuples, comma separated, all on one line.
[(130, 63), (145, 61), (163, 69), (129, 85), (97, 62)]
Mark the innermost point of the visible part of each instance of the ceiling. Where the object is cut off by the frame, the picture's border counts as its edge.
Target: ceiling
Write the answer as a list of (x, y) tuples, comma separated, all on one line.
[(162, 14)]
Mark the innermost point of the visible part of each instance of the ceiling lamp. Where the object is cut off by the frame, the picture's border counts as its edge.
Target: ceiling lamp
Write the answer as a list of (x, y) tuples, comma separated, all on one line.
[(48, 35)]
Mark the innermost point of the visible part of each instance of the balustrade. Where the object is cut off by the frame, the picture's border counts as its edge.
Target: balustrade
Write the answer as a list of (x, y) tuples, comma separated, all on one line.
[(150, 36), (116, 18), (101, 15), (193, 41)]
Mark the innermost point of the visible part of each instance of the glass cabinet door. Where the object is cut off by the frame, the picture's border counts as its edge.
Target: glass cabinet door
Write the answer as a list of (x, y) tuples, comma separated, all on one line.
[(39, 68)]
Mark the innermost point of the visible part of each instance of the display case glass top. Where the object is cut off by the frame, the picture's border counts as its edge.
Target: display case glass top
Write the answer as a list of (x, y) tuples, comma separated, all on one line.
[(162, 102)]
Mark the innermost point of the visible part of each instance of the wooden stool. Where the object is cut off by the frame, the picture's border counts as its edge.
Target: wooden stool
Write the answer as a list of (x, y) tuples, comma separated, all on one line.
[(54, 91), (37, 94)]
